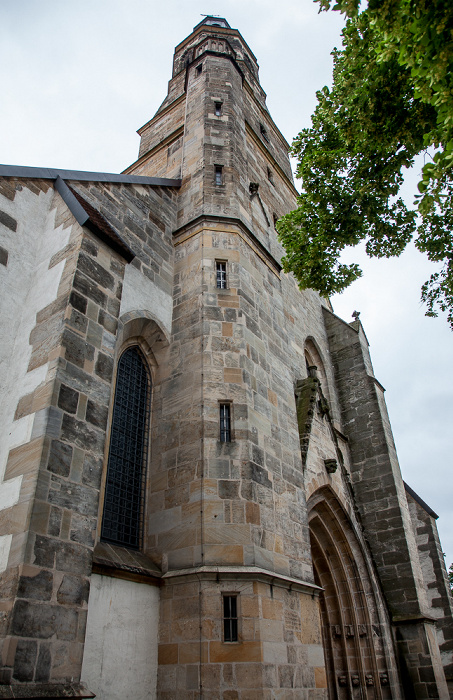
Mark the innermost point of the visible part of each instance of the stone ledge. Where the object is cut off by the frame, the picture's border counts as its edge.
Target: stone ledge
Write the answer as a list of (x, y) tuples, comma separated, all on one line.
[(120, 562), (254, 573), (413, 619), (52, 691)]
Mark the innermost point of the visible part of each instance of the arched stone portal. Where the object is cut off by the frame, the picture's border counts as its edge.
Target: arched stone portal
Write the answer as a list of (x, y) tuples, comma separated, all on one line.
[(359, 653)]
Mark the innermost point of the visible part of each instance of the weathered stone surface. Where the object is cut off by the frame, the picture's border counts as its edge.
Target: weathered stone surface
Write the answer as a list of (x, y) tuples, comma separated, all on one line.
[(92, 471), (78, 498), (43, 621), (73, 590), (25, 660), (43, 664), (80, 434), (95, 271), (37, 587), (60, 456), (83, 530), (104, 367), (78, 301), (97, 414)]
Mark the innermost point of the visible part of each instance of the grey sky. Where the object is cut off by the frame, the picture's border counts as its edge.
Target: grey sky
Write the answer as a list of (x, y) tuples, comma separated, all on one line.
[(79, 78)]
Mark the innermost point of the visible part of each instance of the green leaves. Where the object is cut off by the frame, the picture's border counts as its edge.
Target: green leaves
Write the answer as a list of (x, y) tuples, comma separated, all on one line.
[(391, 98)]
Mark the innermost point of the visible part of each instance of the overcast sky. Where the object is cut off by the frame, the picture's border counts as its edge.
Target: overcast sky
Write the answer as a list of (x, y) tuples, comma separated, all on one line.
[(79, 78)]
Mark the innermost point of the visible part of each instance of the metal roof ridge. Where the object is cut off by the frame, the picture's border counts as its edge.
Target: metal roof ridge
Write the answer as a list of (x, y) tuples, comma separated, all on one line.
[(84, 176)]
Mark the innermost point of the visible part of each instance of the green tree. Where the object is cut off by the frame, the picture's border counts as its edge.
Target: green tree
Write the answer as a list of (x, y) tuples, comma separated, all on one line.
[(391, 99)]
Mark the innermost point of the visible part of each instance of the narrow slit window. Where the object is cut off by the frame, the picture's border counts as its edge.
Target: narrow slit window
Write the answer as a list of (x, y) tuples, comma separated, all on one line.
[(200, 69), (270, 176), (219, 174), (122, 521), (263, 132), (230, 618), (225, 422), (221, 273), (218, 109)]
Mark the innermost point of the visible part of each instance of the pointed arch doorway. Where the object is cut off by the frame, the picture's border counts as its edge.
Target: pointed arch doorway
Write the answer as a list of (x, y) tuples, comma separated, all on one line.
[(357, 644)]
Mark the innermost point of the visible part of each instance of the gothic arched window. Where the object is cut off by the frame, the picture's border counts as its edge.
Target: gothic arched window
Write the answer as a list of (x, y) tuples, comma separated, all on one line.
[(126, 468)]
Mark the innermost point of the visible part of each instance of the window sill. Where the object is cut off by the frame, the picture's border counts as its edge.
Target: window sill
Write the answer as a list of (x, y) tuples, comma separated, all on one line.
[(119, 562)]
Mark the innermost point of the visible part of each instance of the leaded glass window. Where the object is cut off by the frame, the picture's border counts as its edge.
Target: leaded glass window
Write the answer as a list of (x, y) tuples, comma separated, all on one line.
[(126, 468)]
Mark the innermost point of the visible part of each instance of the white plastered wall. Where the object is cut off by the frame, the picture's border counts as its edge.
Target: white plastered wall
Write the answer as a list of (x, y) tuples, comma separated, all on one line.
[(26, 286), (140, 293), (120, 656)]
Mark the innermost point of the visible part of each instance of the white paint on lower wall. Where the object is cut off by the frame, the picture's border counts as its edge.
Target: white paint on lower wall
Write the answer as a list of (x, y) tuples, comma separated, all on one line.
[(27, 285), (10, 492), (5, 546), (120, 657)]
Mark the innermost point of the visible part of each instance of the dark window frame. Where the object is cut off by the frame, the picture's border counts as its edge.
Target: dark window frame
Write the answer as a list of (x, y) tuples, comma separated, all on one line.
[(225, 421), (125, 485), (218, 108), (218, 175), (230, 610), (221, 274)]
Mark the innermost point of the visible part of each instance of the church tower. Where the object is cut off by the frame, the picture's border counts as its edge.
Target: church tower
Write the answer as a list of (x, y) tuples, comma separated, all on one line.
[(229, 522), (201, 496)]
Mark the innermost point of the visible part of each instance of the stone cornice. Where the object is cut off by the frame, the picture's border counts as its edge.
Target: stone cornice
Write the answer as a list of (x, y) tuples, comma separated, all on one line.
[(203, 222), (249, 573)]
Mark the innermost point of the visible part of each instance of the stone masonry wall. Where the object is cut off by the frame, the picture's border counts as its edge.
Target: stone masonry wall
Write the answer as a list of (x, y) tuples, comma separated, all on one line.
[(47, 579), (379, 494), (279, 649), (47, 623), (436, 581)]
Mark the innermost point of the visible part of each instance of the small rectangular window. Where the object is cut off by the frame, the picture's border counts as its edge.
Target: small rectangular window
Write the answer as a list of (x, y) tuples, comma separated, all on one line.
[(199, 69), (219, 174), (218, 109), (230, 618), (270, 176), (221, 272), (225, 422)]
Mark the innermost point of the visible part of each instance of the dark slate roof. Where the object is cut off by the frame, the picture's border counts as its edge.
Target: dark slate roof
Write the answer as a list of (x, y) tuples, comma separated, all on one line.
[(420, 501), (213, 21), (84, 176), (88, 216)]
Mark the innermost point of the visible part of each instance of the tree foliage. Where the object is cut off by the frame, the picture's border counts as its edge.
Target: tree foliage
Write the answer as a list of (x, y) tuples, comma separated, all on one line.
[(391, 99)]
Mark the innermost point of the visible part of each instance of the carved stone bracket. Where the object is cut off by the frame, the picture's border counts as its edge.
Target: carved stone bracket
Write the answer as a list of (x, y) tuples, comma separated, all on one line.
[(309, 396), (306, 396), (331, 465)]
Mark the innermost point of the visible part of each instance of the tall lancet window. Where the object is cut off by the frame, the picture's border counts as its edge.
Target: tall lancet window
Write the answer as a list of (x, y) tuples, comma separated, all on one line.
[(126, 469)]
